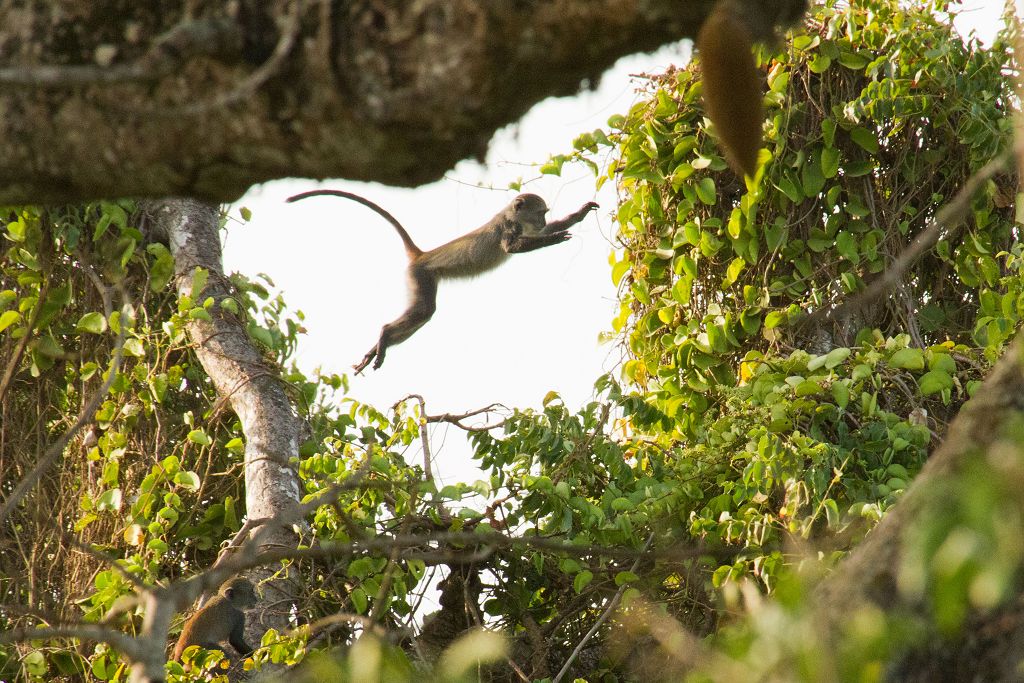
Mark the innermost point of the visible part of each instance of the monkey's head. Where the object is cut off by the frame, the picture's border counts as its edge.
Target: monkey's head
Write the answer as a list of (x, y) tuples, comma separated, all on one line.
[(529, 210), (240, 593)]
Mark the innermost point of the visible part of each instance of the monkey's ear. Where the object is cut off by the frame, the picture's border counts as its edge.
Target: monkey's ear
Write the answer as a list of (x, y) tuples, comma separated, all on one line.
[(519, 201)]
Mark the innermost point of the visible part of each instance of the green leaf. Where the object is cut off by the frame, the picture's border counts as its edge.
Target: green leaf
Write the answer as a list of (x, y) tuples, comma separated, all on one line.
[(812, 179), (681, 291), (189, 480), (831, 512), (34, 663), (774, 319), (934, 382), (134, 347), (846, 245), (790, 189), (261, 334), (92, 322), (626, 577), (8, 318), (200, 437), (828, 131), (553, 165), (807, 388), (416, 567), (852, 60), (359, 600), (109, 500), (706, 190), (360, 568), (819, 64), (684, 147), (622, 504), (230, 514), (865, 139), (836, 357), (830, 162), (16, 230), (101, 227), (691, 231), (48, 346), (856, 169), (619, 270), (582, 580), (942, 361), (841, 394), (199, 278), (775, 235), (907, 359), (732, 273)]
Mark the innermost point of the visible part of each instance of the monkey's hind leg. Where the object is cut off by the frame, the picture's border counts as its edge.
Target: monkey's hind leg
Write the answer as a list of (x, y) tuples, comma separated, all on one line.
[(422, 304)]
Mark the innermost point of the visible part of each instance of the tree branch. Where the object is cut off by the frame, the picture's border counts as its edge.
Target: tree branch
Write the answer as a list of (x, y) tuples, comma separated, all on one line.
[(392, 92)]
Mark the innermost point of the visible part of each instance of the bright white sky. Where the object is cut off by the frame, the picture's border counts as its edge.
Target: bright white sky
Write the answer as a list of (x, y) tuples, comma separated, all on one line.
[(510, 336)]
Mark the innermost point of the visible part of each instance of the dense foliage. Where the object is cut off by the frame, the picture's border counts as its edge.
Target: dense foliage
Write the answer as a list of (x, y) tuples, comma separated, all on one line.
[(876, 116), (742, 440)]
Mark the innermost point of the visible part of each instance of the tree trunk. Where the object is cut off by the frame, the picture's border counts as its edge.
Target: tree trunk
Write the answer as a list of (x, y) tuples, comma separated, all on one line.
[(252, 386)]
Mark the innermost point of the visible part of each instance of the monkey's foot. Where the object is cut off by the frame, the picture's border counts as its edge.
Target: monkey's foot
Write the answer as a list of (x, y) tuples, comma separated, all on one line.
[(370, 355)]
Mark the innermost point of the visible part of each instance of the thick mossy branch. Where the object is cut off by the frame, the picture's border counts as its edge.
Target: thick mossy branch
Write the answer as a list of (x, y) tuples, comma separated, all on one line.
[(114, 100)]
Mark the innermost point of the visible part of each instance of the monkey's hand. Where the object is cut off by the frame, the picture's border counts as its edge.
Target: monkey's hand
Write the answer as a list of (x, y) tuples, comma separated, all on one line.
[(584, 210)]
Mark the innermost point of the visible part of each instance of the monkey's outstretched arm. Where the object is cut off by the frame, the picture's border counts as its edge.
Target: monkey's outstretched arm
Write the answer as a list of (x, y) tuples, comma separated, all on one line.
[(520, 244), (570, 220)]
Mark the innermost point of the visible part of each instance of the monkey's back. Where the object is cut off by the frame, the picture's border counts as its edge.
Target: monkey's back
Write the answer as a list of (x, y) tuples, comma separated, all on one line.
[(212, 624), (469, 255)]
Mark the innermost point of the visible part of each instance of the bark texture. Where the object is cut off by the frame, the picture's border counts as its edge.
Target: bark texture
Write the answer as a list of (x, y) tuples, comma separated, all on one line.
[(112, 98), (248, 383)]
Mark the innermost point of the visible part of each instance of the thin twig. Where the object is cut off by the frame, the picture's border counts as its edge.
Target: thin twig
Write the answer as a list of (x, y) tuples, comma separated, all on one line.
[(612, 606), (424, 436), (457, 419)]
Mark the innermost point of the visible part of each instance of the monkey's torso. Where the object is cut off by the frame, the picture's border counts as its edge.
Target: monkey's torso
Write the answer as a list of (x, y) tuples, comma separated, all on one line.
[(470, 255), (220, 620)]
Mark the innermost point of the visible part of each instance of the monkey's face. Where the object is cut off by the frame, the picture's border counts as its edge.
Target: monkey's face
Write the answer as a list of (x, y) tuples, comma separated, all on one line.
[(530, 212), (240, 593)]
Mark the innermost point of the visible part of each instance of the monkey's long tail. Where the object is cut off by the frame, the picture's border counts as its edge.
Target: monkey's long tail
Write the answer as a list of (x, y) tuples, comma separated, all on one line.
[(410, 247)]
